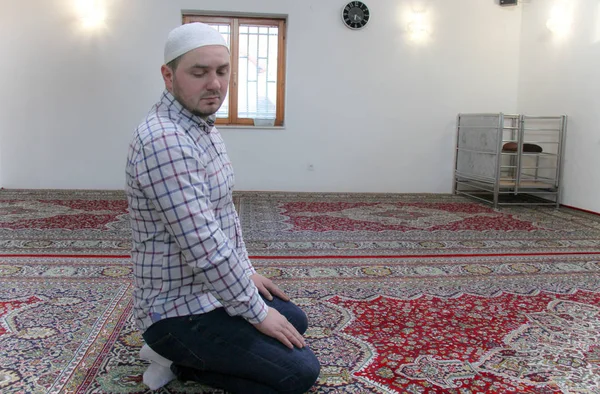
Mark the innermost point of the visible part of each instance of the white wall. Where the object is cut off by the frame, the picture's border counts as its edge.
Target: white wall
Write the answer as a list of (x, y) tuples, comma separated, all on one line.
[(559, 75), (369, 109)]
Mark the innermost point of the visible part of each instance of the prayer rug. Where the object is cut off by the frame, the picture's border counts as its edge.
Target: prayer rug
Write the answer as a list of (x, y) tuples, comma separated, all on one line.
[(404, 293)]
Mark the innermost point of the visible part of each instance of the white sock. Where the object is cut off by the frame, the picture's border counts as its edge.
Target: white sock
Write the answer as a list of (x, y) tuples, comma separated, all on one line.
[(146, 353), (159, 372), (157, 376)]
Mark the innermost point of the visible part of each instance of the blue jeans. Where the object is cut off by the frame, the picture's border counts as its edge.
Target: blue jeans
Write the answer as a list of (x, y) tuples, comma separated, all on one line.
[(227, 352)]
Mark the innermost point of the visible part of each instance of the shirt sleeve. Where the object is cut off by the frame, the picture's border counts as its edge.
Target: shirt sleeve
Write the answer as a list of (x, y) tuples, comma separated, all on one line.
[(241, 247), (173, 177)]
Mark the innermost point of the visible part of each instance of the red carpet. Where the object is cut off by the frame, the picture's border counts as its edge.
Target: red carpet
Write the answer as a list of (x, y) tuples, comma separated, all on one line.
[(508, 343), (405, 293)]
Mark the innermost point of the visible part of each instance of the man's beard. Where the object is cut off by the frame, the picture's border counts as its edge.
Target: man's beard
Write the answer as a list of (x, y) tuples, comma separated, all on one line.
[(196, 111)]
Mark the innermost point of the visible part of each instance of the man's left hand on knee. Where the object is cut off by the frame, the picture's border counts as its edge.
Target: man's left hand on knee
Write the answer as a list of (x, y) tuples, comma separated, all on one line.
[(267, 288)]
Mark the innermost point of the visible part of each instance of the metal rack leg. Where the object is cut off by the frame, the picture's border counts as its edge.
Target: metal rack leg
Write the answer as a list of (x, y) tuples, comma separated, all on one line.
[(499, 136)]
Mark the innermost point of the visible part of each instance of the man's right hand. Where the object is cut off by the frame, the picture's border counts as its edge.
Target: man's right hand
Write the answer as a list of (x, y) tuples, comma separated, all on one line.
[(277, 326)]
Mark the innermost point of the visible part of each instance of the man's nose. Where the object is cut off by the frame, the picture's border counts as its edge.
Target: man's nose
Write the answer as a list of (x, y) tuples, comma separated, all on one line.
[(214, 83)]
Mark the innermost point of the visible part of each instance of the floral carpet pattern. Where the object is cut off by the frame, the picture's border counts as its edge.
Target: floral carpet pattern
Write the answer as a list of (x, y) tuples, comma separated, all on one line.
[(405, 293), (409, 224)]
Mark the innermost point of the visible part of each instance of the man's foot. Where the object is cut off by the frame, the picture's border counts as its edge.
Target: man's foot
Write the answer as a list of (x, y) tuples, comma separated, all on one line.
[(157, 376), (159, 372), (146, 353)]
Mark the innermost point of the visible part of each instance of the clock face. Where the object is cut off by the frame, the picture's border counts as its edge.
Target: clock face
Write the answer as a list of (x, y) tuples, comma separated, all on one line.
[(356, 15)]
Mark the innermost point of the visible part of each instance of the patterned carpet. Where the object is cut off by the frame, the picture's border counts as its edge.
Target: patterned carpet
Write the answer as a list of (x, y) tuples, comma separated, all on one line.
[(405, 293), (410, 224)]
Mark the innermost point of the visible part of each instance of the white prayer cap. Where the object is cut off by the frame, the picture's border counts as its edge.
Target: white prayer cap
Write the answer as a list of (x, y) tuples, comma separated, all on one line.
[(190, 36)]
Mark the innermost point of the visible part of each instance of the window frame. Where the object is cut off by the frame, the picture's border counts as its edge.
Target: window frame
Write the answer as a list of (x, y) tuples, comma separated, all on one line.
[(234, 22)]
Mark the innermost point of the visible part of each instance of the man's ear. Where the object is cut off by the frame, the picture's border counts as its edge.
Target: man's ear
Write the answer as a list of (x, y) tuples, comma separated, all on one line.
[(168, 76)]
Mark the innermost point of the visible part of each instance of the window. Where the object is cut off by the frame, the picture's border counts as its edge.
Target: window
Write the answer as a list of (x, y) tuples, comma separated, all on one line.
[(256, 87)]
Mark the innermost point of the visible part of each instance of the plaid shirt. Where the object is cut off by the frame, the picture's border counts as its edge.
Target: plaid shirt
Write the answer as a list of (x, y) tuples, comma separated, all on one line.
[(188, 253)]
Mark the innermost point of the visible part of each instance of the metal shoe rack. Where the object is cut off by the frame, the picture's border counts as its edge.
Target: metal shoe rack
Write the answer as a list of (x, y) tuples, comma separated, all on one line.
[(505, 159)]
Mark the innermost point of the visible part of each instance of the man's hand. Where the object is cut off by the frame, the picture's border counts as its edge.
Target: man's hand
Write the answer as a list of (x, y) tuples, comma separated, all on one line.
[(277, 326), (266, 287)]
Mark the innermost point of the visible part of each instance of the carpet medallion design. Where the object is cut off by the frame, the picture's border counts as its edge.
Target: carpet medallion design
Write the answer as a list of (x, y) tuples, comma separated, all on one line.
[(96, 223), (405, 294), (434, 343), (67, 215), (320, 217), (395, 225)]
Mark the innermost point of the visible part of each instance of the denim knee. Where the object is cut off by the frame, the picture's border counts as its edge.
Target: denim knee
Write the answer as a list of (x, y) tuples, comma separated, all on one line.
[(301, 321), (292, 313), (304, 377)]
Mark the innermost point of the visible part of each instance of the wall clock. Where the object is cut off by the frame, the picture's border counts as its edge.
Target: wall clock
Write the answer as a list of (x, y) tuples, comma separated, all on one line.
[(356, 15)]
